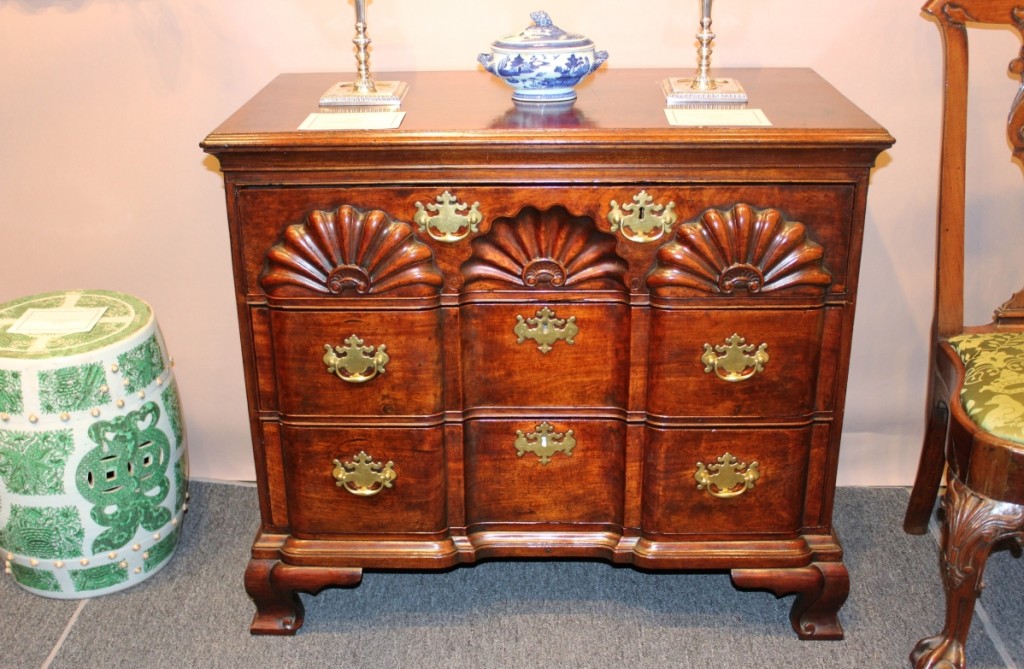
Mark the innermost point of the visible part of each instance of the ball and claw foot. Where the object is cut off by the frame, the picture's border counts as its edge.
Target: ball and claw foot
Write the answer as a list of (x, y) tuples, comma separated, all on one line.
[(938, 652)]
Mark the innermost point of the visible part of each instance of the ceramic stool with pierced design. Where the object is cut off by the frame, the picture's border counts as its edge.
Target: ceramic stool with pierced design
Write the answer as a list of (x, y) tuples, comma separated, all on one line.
[(93, 457)]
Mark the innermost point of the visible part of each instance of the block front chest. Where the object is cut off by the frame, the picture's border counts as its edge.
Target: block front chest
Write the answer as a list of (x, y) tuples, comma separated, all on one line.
[(498, 332)]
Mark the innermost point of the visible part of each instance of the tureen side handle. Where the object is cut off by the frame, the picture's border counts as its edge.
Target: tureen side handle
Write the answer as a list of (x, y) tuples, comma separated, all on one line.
[(487, 60)]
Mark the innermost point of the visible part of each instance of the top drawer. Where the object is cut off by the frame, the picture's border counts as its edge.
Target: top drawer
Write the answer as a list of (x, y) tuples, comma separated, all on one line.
[(498, 216)]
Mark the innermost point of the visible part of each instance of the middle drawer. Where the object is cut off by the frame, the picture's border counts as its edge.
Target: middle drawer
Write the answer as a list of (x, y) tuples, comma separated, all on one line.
[(568, 354), (358, 363), (749, 363)]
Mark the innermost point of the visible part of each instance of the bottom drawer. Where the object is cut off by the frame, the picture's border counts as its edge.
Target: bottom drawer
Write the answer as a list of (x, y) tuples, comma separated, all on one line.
[(374, 498), (542, 485), (719, 482)]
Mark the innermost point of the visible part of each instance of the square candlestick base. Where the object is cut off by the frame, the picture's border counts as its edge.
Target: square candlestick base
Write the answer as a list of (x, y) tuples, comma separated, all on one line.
[(680, 91), (344, 94)]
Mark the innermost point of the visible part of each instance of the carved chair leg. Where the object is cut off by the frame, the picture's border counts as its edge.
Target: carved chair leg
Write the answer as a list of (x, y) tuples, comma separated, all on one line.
[(929, 471), (821, 589), (972, 525), (274, 587)]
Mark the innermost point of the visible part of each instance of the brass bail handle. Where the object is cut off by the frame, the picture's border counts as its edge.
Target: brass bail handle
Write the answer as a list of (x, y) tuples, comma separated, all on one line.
[(355, 362), (362, 476), (727, 477), (642, 220), (448, 220), (736, 360)]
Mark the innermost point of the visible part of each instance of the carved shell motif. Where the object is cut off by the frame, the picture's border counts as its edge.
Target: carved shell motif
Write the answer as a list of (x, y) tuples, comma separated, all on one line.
[(345, 251), (544, 249), (742, 249)]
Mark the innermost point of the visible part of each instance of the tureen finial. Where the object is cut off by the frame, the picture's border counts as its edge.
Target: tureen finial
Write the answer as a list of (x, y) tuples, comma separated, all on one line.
[(541, 19)]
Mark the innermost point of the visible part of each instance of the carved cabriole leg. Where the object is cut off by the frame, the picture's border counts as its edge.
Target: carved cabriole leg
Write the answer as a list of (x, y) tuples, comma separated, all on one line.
[(972, 525), (821, 589), (274, 587)]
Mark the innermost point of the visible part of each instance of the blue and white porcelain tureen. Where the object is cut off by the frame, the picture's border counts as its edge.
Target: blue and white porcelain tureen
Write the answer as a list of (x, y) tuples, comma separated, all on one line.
[(543, 63)]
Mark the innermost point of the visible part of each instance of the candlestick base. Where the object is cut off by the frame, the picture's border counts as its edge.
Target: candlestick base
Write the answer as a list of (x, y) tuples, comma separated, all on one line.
[(680, 91), (345, 94)]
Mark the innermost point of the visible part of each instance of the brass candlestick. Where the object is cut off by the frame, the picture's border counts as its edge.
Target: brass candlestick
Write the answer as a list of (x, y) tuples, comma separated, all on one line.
[(702, 87), (364, 92)]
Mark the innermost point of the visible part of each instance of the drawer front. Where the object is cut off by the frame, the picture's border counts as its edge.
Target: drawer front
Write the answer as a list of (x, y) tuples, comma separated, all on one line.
[(264, 212), (734, 363), (393, 369), (545, 354), (724, 482), (364, 480), (544, 485)]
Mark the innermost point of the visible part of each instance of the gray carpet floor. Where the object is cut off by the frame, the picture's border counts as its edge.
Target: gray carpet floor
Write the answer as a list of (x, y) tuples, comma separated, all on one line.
[(195, 613)]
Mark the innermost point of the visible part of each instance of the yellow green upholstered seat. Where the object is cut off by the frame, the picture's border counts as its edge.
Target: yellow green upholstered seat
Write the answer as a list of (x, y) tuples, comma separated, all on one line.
[(993, 392)]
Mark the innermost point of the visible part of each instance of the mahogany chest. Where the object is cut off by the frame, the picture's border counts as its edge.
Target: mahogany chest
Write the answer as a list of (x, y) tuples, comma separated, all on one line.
[(547, 332)]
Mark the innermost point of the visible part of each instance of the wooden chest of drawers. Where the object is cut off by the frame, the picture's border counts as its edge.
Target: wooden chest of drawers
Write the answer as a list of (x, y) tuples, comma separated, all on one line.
[(581, 332)]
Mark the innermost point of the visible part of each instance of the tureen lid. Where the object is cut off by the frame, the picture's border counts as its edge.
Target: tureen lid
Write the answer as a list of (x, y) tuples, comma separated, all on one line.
[(542, 34)]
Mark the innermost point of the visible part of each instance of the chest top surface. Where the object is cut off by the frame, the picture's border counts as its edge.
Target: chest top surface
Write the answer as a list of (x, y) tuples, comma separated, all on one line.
[(614, 106)]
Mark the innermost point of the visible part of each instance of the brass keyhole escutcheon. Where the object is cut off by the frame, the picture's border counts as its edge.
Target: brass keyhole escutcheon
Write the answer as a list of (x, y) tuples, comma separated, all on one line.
[(642, 221), (354, 362), (362, 476), (544, 442), (545, 328)]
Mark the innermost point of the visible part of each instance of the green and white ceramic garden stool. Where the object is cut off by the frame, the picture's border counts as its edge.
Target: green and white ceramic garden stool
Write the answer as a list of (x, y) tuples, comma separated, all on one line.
[(93, 462)]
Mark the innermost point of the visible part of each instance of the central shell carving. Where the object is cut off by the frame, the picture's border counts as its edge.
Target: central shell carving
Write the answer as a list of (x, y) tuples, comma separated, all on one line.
[(740, 250), (349, 251), (544, 249)]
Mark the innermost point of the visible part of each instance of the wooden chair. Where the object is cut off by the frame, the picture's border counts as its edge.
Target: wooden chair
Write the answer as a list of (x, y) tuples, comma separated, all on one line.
[(975, 428)]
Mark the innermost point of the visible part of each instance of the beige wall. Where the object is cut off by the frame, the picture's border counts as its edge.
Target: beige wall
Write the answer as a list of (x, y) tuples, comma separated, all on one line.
[(102, 183)]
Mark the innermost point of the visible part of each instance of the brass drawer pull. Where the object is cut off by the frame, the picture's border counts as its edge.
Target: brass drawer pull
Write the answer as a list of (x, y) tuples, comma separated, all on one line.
[(354, 362), (642, 221), (735, 361), (545, 442), (363, 477), (728, 478), (545, 329), (446, 223)]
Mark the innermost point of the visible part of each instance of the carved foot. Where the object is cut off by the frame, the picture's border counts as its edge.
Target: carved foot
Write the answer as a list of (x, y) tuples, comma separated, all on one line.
[(274, 587), (938, 652), (821, 589), (972, 525)]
